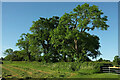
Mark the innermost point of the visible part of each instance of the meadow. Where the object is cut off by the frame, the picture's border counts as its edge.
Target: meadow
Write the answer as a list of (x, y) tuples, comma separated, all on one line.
[(25, 69)]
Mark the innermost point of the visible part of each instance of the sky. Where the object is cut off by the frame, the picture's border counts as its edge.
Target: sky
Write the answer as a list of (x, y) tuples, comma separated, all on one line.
[(17, 18)]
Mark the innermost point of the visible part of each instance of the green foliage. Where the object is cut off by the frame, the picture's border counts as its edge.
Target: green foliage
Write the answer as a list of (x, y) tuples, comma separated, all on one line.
[(103, 60), (1, 58), (21, 69), (116, 60), (24, 45), (63, 39), (9, 53), (71, 36), (40, 39), (100, 60)]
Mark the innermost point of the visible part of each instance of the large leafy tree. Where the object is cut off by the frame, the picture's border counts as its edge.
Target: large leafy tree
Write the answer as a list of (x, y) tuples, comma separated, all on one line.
[(72, 32), (40, 38), (35, 47), (67, 38), (23, 44)]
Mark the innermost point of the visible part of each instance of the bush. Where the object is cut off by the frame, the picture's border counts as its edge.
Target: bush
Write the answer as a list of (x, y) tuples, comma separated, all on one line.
[(86, 67), (116, 60)]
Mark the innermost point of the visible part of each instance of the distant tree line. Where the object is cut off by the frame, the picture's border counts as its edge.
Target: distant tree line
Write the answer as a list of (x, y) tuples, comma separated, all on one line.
[(103, 60), (64, 38)]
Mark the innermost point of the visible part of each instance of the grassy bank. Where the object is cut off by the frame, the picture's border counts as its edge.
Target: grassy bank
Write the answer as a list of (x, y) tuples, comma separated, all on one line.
[(22, 69)]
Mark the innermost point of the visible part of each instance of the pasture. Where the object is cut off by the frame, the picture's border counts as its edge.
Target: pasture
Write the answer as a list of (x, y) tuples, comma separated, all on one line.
[(24, 69)]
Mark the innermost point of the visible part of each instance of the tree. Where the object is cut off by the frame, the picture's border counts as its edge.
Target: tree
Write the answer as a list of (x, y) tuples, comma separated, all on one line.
[(72, 35), (8, 51), (117, 60), (10, 54), (40, 40), (19, 56), (14, 55), (1, 58), (63, 39), (100, 60), (23, 44), (103, 60)]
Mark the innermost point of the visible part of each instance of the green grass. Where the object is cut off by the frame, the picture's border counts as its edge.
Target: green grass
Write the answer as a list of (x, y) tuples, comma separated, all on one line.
[(97, 75), (22, 69)]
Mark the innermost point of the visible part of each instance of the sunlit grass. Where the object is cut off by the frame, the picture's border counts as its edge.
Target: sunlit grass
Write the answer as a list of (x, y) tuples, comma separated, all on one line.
[(50, 70)]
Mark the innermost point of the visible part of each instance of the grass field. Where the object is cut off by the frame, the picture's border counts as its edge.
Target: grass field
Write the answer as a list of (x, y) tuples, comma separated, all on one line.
[(20, 69)]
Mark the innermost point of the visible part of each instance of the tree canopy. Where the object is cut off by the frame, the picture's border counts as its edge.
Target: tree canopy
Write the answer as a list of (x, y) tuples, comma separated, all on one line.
[(71, 33), (64, 38)]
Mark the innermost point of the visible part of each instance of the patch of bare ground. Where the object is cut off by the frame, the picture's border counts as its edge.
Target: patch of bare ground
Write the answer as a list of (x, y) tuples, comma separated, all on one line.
[(17, 75), (30, 73), (40, 71), (72, 74)]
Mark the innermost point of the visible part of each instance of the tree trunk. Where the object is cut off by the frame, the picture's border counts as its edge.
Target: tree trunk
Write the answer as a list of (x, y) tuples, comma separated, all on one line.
[(76, 46), (29, 56), (65, 58), (28, 53)]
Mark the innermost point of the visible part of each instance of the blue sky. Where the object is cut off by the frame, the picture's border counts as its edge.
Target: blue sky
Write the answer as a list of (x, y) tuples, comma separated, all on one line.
[(17, 19)]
